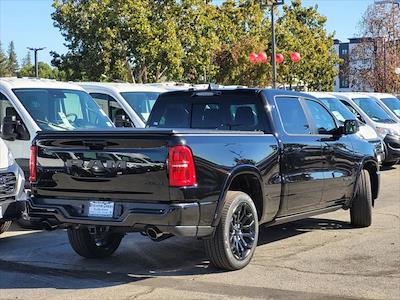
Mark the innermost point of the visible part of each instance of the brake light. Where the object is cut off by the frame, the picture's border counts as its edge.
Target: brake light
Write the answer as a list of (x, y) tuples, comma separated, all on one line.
[(181, 167), (33, 165)]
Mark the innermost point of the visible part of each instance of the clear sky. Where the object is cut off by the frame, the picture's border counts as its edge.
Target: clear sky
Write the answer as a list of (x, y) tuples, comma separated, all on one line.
[(28, 23)]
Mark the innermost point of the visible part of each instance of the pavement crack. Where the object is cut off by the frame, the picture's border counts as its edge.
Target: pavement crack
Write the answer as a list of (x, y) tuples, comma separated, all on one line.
[(388, 273), (139, 295)]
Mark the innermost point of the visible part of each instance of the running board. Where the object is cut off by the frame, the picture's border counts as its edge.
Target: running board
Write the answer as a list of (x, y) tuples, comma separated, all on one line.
[(291, 218)]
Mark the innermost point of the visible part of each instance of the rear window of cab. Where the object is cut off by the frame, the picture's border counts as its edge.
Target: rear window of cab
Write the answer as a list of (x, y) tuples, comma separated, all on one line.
[(220, 112)]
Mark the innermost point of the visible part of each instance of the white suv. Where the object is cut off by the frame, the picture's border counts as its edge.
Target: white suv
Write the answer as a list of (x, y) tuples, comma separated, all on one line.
[(11, 188), (126, 104)]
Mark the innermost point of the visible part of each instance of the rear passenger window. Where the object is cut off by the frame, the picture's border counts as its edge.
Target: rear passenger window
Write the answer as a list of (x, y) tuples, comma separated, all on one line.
[(223, 111), (292, 115)]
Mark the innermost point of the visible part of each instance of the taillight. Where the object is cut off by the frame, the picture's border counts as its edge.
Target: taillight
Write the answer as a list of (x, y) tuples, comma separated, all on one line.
[(181, 167), (33, 165)]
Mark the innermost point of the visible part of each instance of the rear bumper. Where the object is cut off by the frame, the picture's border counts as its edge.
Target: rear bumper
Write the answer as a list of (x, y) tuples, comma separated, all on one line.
[(181, 219), (392, 148)]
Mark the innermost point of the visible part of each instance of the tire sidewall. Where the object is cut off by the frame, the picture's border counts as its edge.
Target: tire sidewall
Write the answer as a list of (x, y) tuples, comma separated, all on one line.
[(239, 199)]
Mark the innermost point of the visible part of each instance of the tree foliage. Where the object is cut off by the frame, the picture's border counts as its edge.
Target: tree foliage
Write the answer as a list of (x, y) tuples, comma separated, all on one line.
[(190, 40), (375, 58), (3, 62), (12, 61)]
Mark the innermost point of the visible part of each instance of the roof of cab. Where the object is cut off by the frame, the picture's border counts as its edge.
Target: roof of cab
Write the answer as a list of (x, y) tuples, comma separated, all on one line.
[(382, 95), (351, 95), (236, 90), (120, 87), (21, 83)]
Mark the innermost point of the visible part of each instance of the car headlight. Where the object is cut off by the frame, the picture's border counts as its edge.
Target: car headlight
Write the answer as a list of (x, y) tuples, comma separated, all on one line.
[(382, 132), (10, 159)]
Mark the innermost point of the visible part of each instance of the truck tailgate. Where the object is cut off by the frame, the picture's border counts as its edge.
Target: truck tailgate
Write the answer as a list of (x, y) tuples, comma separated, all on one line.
[(117, 165)]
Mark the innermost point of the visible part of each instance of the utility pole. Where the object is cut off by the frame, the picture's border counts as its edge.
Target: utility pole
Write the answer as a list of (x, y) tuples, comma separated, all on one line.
[(36, 50), (272, 4)]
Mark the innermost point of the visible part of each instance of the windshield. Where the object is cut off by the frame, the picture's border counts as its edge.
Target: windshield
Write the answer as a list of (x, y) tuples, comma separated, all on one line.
[(393, 104), (141, 102), (373, 110), (59, 109), (338, 109)]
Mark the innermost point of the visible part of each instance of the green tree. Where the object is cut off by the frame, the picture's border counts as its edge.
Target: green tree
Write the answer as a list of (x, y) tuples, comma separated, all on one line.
[(243, 28), (121, 39), (302, 29), (3, 63), (45, 71), (12, 61), (27, 60)]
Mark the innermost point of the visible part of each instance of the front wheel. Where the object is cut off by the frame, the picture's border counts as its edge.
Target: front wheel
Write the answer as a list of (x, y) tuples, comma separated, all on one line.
[(4, 225), (87, 245), (361, 208), (236, 236), (390, 163)]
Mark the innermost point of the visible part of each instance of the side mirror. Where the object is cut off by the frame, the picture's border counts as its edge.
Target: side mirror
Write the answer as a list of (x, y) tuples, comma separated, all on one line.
[(122, 121), (22, 132), (8, 128), (12, 129), (350, 127)]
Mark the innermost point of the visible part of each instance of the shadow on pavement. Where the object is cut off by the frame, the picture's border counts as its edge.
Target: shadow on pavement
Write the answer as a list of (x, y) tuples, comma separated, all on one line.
[(49, 254)]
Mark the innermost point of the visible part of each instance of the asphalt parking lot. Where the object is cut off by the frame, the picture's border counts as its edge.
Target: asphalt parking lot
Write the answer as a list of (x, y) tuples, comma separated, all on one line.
[(317, 258)]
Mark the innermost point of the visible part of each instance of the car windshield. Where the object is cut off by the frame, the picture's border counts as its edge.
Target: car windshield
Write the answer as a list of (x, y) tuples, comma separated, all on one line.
[(59, 109), (338, 109), (141, 102), (373, 110), (393, 104)]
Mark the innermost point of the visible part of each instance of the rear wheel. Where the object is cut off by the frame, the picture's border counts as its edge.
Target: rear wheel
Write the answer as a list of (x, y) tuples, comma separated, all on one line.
[(89, 246), (4, 225), (361, 208), (236, 236)]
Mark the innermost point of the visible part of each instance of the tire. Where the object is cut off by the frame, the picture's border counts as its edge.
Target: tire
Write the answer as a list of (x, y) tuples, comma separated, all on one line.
[(361, 208), (223, 248), (390, 163), (4, 226), (85, 244)]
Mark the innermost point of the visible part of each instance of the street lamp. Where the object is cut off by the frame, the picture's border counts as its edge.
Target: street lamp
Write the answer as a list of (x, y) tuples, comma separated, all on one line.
[(272, 4), (36, 59)]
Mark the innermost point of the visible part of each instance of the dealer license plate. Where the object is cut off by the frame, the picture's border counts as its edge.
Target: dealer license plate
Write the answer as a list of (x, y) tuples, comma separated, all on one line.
[(104, 209)]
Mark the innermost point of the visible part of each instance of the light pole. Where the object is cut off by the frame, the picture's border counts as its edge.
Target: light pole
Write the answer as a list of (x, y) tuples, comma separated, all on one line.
[(272, 4), (35, 50)]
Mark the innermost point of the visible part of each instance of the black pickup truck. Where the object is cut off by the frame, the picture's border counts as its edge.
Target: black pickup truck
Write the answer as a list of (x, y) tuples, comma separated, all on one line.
[(213, 164)]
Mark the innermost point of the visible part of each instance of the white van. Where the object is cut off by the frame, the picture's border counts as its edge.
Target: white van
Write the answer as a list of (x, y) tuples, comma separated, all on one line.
[(126, 104), (368, 111), (388, 102), (12, 183), (342, 113), (31, 105)]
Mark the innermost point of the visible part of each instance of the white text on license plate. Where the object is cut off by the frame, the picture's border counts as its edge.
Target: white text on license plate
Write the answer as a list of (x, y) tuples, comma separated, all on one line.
[(103, 209)]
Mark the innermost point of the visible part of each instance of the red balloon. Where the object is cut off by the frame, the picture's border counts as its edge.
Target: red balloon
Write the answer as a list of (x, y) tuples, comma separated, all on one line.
[(262, 57), (253, 58), (280, 58), (295, 57)]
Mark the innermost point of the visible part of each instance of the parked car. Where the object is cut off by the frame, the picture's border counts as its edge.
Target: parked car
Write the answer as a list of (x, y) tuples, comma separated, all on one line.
[(228, 160), (127, 105), (388, 102), (342, 113), (368, 111), (11, 188), (31, 105)]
